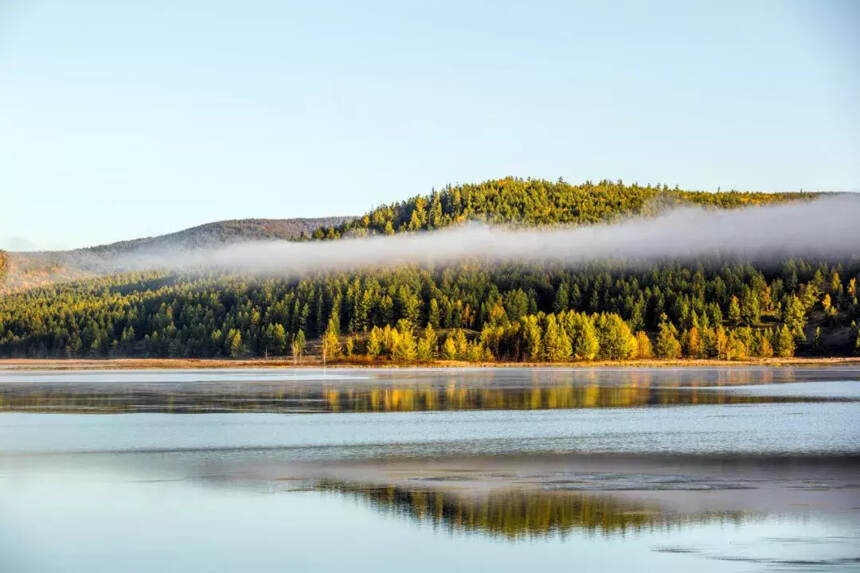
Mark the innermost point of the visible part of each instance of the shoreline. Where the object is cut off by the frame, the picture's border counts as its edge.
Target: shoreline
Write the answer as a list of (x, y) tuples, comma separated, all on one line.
[(314, 362)]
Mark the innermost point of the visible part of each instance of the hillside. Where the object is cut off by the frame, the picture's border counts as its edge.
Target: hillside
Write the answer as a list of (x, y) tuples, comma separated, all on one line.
[(715, 308), (535, 202), (27, 270)]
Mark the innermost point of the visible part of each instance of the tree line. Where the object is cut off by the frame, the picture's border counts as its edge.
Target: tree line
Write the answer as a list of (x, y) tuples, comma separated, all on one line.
[(469, 311)]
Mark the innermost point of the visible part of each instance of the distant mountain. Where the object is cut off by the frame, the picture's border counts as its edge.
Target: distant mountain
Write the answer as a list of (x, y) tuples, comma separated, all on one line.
[(24, 270), (224, 232)]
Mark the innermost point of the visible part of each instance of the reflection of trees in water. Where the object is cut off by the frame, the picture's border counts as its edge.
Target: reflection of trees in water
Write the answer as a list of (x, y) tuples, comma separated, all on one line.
[(516, 514), (638, 392)]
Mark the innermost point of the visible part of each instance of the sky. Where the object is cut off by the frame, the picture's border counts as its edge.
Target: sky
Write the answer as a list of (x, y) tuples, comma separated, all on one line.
[(121, 119)]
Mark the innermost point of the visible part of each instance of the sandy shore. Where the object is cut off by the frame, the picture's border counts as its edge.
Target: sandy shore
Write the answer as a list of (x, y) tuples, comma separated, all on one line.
[(315, 362)]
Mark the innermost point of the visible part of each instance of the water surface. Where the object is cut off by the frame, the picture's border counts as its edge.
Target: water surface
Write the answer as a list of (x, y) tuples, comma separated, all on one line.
[(717, 469)]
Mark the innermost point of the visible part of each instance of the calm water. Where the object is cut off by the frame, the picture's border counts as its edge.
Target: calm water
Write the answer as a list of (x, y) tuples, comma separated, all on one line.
[(734, 469)]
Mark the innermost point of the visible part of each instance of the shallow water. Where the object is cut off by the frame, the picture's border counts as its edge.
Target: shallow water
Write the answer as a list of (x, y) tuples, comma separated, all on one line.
[(732, 469)]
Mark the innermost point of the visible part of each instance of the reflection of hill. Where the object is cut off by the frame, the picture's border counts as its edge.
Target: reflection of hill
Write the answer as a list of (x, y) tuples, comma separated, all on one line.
[(518, 514), (360, 398)]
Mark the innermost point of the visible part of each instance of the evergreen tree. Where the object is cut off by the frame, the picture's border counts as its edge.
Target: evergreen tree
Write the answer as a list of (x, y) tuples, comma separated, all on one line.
[(750, 309), (582, 334), (426, 350), (734, 311), (785, 342), (235, 348), (667, 343), (555, 341)]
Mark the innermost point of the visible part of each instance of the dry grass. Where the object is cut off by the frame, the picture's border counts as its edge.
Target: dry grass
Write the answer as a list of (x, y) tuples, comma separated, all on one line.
[(315, 362)]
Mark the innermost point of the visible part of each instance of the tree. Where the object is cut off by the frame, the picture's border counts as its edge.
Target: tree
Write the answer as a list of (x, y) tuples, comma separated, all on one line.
[(374, 342), (643, 346), (330, 343), (532, 336), (736, 349), (582, 334), (785, 342), (750, 309), (404, 348), (616, 340), (692, 343), (734, 311), (461, 344), (433, 314), (426, 350), (556, 344), (667, 343), (794, 316), (234, 343), (764, 349), (449, 349)]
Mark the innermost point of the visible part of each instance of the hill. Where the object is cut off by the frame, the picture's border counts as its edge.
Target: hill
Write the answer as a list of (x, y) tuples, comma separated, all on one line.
[(715, 308), (27, 270), (535, 202)]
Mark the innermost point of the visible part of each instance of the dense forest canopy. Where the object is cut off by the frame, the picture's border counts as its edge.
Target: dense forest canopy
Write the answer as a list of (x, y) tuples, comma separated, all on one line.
[(474, 311), (515, 312), (537, 202)]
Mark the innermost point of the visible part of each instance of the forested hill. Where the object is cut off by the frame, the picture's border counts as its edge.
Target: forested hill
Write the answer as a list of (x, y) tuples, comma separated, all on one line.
[(727, 309), (26, 270), (225, 232), (537, 202)]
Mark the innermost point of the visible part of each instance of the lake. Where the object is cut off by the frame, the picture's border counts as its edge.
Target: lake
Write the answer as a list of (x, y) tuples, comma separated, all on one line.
[(509, 469)]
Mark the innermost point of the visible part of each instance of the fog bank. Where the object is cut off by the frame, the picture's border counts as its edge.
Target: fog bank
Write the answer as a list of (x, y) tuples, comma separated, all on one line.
[(827, 227)]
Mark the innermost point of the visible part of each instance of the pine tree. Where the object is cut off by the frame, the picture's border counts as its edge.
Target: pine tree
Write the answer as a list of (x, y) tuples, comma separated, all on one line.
[(794, 316), (374, 342), (764, 347), (785, 342), (234, 343), (667, 343), (556, 344), (461, 344), (582, 334), (736, 349), (750, 308), (532, 335), (692, 344), (426, 350), (615, 338), (404, 348), (734, 311)]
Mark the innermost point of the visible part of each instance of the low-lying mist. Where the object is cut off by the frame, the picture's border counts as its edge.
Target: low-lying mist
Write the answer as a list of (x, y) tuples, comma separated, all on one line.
[(824, 228)]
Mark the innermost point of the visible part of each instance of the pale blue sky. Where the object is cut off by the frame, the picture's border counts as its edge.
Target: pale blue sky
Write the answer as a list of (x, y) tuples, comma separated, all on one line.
[(120, 119)]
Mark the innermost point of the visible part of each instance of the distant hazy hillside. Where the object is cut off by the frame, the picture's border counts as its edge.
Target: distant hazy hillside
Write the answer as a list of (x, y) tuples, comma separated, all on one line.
[(25, 270), (221, 232)]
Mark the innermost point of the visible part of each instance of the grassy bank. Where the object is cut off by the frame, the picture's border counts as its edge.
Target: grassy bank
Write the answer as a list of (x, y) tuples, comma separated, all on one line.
[(315, 362)]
